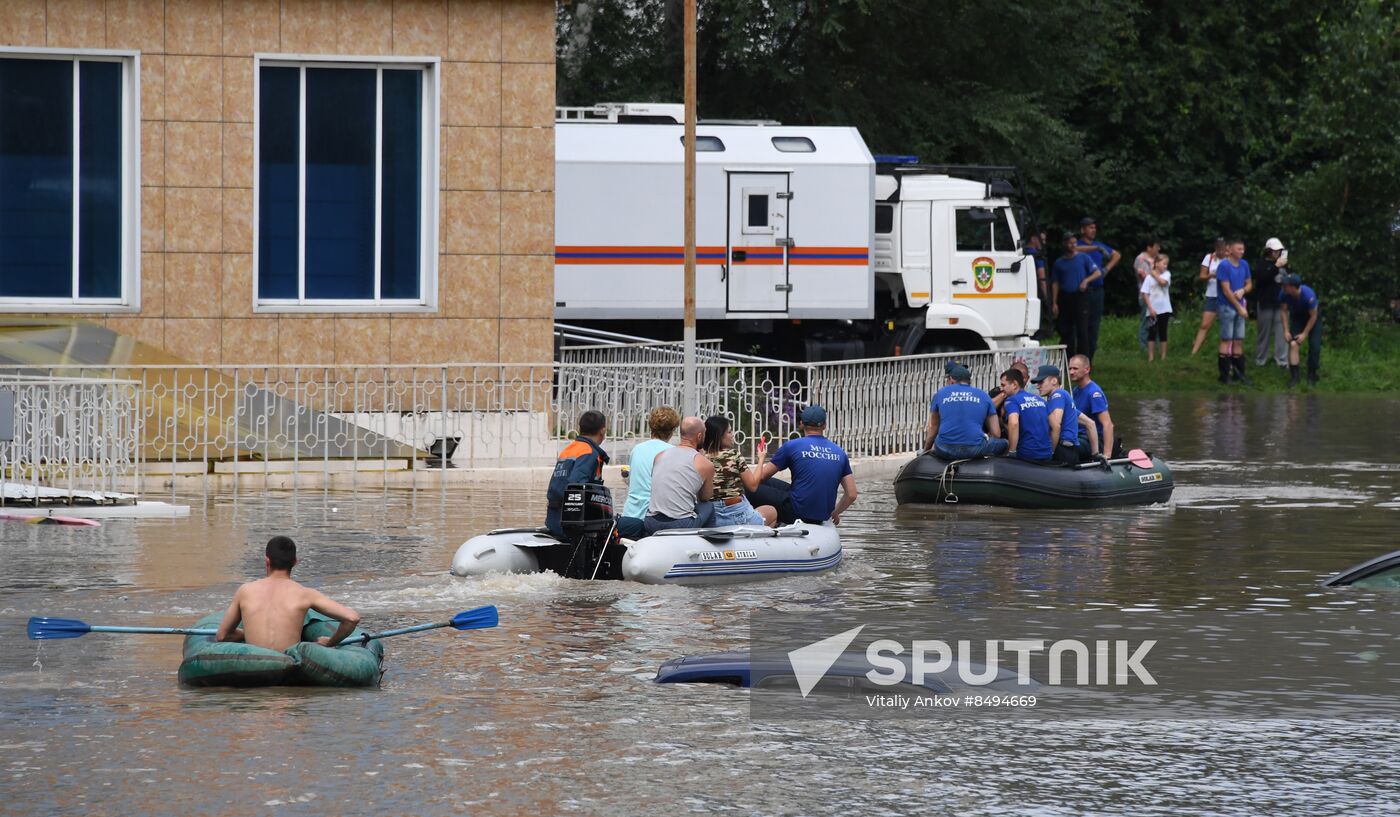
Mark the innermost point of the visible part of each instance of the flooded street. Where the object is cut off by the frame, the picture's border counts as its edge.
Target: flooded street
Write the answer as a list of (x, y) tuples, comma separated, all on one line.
[(555, 712)]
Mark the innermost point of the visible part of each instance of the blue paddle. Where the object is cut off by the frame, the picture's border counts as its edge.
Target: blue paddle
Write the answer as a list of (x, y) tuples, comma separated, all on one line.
[(42, 628)]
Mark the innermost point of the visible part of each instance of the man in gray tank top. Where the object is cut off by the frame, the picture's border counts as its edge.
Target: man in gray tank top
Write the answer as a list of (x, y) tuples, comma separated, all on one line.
[(681, 479)]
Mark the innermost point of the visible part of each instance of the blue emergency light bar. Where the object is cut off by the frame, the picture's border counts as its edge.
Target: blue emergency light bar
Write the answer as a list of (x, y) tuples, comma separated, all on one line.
[(895, 159)]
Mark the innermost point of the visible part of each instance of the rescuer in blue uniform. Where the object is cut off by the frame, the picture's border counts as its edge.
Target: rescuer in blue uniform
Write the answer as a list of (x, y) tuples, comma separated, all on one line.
[(962, 421)]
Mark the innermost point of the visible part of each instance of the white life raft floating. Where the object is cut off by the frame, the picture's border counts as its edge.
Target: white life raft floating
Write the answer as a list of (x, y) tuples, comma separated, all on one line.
[(727, 555)]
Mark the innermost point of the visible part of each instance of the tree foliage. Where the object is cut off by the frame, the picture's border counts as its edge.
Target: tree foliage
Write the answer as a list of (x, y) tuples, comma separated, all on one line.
[(1246, 117)]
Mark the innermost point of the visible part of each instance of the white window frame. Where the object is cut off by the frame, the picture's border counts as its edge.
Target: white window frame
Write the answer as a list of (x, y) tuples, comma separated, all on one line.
[(130, 299), (428, 224)]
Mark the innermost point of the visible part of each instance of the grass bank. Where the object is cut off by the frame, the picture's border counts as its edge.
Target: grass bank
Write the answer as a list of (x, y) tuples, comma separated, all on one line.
[(1366, 359)]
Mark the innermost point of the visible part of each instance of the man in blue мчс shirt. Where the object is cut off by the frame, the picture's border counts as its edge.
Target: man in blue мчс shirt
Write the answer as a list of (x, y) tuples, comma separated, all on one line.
[(1090, 400), (1072, 275), (1105, 258), (1027, 421), (818, 467), (962, 420), (1065, 419)]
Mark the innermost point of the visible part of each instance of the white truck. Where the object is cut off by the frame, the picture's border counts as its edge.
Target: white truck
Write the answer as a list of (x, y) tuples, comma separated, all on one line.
[(804, 250)]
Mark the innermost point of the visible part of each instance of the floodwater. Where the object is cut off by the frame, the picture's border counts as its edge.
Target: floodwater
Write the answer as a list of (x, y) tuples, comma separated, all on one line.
[(554, 712)]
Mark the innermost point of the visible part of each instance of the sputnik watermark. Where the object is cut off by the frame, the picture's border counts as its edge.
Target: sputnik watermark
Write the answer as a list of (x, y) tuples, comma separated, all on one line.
[(1099, 662), (1056, 664), (1100, 656)]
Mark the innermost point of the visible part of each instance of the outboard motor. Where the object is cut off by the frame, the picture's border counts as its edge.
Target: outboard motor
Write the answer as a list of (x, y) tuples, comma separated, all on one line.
[(589, 529)]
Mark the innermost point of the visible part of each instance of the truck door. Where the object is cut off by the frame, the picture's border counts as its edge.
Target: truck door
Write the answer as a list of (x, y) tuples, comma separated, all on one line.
[(988, 275), (916, 252), (756, 264)]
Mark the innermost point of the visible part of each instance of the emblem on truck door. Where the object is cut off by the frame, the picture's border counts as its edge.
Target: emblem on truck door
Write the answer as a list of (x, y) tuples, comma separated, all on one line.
[(983, 273)]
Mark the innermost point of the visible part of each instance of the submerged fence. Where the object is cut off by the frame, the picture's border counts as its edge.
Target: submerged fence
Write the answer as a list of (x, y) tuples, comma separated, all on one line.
[(61, 437), (178, 419)]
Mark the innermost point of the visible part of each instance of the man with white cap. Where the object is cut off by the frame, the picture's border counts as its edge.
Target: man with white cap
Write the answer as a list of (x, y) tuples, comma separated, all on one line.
[(1273, 269)]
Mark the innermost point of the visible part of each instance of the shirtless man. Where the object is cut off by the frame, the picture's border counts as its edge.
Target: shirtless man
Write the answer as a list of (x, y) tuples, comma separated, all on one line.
[(273, 609)]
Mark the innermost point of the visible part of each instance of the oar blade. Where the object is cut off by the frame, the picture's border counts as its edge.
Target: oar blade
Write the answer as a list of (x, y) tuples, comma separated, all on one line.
[(1140, 458), (43, 628), (476, 619)]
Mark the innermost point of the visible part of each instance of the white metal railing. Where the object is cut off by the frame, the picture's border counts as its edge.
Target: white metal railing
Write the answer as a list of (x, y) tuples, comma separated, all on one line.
[(245, 418), (880, 406), (61, 437)]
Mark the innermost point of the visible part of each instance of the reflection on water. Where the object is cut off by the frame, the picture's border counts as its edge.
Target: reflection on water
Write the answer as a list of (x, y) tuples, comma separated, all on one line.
[(555, 712)]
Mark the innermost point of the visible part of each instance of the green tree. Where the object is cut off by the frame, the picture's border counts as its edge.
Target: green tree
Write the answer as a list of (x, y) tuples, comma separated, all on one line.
[(1245, 117), (1339, 193)]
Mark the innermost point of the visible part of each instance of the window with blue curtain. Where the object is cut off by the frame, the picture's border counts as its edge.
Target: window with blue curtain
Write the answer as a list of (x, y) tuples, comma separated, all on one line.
[(341, 169), (62, 183)]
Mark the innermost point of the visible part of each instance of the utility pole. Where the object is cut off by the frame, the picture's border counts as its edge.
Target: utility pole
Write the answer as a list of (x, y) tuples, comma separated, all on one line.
[(689, 401)]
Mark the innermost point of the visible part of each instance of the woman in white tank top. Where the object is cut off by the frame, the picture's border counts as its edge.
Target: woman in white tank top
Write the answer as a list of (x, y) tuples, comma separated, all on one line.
[(1208, 265)]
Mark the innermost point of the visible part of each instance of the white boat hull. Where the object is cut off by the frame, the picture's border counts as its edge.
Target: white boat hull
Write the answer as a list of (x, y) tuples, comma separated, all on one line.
[(733, 554), (500, 551), (688, 557)]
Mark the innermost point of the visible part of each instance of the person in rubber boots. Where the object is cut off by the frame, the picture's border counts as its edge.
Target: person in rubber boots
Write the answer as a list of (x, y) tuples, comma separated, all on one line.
[(273, 609), (1302, 323)]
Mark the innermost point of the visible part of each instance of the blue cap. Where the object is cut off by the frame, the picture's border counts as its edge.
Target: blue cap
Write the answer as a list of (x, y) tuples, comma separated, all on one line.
[(814, 415), (1294, 280), (958, 372), (1044, 372)]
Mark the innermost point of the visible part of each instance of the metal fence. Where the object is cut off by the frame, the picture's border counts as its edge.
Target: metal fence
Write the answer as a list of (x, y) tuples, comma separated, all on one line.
[(64, 437), (242, 418)]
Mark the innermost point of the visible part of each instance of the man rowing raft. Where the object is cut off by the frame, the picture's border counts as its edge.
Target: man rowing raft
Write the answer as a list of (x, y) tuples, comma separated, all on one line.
[(273, 609)]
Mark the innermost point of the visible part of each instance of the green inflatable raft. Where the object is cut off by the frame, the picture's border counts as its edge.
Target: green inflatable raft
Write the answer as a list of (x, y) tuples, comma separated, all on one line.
[(210, 663)]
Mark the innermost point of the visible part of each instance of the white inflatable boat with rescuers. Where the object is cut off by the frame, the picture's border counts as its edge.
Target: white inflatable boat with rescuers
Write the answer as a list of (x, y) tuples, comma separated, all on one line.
[(725, 555)]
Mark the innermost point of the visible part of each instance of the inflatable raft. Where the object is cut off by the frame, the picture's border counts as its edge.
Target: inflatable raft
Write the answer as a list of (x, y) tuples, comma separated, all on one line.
[(1139, 479), (726, 555), (210, 663)]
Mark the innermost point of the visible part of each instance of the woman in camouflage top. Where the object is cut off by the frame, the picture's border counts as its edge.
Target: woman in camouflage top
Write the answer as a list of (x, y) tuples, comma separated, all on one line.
[(733, 475)]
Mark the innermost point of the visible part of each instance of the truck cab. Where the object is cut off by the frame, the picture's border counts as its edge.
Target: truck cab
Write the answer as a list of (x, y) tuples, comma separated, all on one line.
[(950, 263)]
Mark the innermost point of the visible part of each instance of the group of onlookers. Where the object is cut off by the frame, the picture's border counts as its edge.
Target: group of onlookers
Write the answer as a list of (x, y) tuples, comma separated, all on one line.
[(1047, 424), (1074, 285), (1286, 309), (703, 480)]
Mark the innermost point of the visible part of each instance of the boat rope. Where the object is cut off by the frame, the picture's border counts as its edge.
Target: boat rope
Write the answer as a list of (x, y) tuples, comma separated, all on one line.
[(949, 471)]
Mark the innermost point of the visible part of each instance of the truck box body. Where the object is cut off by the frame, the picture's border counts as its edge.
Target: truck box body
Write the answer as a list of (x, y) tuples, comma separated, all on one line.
[(784, 222)]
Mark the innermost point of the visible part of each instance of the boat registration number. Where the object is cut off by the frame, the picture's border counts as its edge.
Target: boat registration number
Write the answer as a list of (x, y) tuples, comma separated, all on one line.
[(727, 555)]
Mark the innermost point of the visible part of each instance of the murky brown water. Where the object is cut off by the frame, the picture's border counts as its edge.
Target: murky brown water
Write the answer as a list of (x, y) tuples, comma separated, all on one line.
[(555, 712)]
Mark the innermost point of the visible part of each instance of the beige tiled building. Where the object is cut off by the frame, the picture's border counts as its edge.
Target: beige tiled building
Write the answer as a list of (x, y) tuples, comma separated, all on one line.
[(203, 85)]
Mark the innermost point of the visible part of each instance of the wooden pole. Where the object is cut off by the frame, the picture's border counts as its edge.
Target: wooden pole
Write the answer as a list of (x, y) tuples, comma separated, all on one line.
[(689, 401)]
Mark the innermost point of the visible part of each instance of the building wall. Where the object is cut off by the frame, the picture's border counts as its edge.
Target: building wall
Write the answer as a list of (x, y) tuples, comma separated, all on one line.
[(496, 177)]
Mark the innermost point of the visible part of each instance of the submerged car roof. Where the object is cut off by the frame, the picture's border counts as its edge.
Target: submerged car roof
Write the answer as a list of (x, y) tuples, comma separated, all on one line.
[(1356, 573), (740, 668)]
